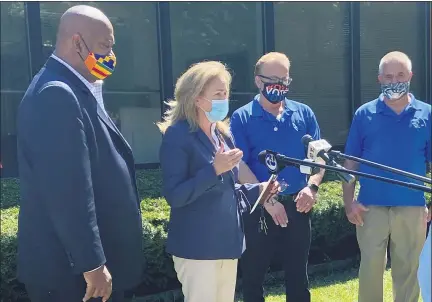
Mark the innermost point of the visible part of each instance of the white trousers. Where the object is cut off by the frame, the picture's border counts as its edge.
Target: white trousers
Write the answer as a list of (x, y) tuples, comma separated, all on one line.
[(207, 280)]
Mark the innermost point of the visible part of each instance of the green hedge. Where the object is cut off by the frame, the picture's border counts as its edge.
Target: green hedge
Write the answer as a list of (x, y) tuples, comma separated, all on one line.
[(329, 224)]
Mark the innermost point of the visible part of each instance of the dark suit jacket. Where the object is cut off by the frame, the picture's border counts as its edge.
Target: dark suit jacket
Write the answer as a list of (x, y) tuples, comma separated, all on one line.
[(79, 201), (203, 223)]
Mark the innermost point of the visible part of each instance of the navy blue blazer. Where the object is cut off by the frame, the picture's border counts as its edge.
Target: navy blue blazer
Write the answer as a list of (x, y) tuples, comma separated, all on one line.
[(203, 222), (79, 202)]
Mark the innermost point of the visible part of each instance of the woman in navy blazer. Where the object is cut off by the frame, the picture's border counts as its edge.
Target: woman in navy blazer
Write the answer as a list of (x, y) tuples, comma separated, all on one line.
[(200, 169)]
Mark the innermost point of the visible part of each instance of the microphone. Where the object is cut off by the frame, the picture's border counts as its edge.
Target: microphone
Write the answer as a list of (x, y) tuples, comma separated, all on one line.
[(269, 159), (272, 161), (318, 149), (275, 162)]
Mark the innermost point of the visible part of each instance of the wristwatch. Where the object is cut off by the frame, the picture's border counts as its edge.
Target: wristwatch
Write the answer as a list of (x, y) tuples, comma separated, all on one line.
[(313, 187)]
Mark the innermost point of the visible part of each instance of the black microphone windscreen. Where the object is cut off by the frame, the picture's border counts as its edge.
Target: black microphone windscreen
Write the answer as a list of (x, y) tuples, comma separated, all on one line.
[(262, 156), (306, 139)]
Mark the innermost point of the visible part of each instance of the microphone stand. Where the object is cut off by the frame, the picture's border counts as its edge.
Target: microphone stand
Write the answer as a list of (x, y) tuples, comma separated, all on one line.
[(283, 161), (339, 155)]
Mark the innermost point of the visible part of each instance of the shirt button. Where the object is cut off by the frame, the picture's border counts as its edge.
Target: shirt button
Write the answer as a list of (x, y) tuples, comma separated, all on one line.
[(275, 128)]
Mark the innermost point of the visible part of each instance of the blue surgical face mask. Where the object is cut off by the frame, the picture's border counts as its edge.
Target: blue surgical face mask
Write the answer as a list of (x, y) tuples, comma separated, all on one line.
[(218, 112), (394, 91)]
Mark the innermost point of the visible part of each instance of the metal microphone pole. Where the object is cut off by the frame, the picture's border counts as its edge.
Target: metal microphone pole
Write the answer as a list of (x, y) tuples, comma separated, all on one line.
[(338, 155), (278, 162)]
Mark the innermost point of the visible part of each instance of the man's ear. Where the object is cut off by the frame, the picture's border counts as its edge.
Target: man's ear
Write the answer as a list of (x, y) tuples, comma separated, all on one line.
[(410, 75), (379, 78), (76, 43), (258, 82)]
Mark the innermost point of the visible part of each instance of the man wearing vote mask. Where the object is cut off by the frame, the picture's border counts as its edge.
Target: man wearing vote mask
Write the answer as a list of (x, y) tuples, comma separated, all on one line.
[(272, 121), (393, 130), (79, 233)]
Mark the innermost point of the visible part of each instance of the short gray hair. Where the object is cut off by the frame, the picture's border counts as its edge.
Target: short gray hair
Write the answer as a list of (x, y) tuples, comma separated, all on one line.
[(395, 56)]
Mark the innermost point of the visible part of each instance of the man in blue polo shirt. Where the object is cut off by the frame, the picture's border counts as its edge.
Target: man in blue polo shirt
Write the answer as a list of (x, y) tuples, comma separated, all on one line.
[(394, 130), (271, 121)]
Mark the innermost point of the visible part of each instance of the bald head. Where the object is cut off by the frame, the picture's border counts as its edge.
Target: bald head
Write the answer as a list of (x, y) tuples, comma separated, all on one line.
[(82, 19), (83, 29)]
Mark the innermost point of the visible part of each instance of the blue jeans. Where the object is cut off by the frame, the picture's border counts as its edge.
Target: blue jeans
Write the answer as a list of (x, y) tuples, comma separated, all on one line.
[(424, 271)]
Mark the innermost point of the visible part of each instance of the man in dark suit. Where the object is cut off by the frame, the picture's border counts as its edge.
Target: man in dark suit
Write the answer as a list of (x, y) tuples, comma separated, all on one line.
[(80, 230)]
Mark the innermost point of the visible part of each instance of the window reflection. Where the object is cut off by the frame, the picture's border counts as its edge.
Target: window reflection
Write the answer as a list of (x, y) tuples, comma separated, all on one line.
[(230, 32), (386, 27), (315, 36), (135, 115), (15, 77), (14, 56), (8, 151)]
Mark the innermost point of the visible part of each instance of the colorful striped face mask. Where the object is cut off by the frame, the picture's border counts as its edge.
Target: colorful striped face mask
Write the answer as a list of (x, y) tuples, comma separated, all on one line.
[(100, 66)]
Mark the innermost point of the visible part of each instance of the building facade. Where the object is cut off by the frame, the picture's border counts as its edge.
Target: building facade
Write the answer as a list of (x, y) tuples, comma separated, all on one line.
[(335, 48)]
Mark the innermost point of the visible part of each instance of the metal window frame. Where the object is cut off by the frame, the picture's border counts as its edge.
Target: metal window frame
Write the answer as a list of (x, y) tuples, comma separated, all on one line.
[(33, 36), (355, 66), (268, 27), (165, 53)]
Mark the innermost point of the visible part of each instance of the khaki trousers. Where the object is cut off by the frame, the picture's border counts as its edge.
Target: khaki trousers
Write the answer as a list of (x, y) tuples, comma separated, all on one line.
[(405, 227), (207, 280), (424, 271)]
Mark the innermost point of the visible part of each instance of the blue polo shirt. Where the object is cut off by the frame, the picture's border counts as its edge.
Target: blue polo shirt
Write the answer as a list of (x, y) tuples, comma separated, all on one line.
[(255, 130), (400, 141)]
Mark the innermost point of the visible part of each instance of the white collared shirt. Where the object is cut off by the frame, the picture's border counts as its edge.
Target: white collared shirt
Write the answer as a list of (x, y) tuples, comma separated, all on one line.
[(217, 144), (95, 88)]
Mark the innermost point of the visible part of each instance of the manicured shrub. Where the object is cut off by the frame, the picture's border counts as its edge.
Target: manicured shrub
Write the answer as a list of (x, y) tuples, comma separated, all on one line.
[(8, 247), (9, 193)]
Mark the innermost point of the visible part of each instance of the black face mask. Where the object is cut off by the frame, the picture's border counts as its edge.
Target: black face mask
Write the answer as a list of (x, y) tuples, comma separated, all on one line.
[(275, 92)]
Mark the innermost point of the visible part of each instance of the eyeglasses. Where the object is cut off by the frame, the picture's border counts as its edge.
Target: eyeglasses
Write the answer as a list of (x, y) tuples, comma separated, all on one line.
[(285, 81)]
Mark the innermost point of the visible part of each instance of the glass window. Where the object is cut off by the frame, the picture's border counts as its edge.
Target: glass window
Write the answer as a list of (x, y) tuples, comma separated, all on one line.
[(315, 36), (15, 78), (237, 100), (8, 152), (135, 115), (386, 27), (15, 72), (230, 32), (132, 95)]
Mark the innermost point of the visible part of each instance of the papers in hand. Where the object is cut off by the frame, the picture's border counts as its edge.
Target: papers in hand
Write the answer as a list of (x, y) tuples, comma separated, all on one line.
[(265, 193)]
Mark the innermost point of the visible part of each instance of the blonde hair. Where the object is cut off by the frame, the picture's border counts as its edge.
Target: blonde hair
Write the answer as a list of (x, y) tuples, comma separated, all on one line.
[(190, 85), (395, 56), (268, 57)]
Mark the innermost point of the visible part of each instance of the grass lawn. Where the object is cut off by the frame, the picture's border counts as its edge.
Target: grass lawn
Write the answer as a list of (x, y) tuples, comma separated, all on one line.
[(337, 287)]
